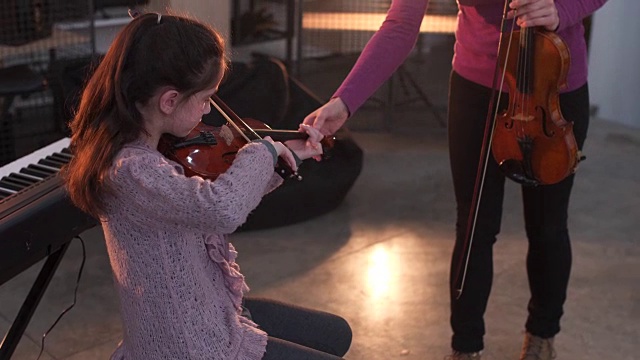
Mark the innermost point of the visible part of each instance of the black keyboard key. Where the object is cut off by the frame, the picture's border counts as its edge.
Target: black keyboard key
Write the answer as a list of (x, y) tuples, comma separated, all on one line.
[(39, 170), (44, 167), (4, 193), (8, 185), (52, 164), (23, 178), (31, 172), (18, 181), (27, 177), (53, 160), (62, 158), (66, 153)]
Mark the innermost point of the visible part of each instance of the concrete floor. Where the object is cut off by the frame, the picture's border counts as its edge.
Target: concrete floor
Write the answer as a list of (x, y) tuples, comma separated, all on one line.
[(381, 259)]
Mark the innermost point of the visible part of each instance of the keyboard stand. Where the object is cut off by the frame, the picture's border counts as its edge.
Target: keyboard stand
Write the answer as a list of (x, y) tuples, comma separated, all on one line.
[(13, 336)]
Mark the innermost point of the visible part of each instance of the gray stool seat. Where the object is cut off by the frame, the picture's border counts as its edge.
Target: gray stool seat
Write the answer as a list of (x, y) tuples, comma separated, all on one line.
[(16, 80)]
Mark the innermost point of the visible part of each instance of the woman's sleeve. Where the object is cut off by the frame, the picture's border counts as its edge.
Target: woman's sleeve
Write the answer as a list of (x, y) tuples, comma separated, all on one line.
[(384, 53), (572, 12), (159, 190)]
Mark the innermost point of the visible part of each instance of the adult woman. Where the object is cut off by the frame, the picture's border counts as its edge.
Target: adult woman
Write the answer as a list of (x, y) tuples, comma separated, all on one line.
[(546, 207)]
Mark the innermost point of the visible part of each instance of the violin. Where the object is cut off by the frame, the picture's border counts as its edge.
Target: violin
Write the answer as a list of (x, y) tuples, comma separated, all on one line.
[(530, 140), (532, 143), (208, 151)]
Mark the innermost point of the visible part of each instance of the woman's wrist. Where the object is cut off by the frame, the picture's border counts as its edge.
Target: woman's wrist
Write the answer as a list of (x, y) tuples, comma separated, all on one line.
[(341, 106)]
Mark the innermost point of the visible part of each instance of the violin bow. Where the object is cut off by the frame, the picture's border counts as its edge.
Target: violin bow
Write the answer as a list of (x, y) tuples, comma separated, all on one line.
[(462, 265)]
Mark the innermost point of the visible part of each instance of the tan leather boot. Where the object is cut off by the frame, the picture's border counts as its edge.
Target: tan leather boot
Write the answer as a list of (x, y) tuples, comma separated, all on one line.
[(463, 356), (537, 348)]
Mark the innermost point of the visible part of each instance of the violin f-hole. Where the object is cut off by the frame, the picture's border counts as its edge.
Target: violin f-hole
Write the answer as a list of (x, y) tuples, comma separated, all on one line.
[(543, 117)]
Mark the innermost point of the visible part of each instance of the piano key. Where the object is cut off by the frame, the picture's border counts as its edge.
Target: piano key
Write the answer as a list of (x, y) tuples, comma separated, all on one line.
[(6, 193), (52, 164), (27, 176), (16, 180), (8, 185), (34, 173), (65, 158), (31, 170), (59, 163), (23, 178), (43, 167)]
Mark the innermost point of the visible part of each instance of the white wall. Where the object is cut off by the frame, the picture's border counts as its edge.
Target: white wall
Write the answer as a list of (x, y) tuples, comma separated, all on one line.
[(614, 62), (213, 12)]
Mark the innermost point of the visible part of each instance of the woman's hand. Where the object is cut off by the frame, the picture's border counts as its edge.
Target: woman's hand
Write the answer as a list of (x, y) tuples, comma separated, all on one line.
[(535, 13), (329, 117), (310, 147)]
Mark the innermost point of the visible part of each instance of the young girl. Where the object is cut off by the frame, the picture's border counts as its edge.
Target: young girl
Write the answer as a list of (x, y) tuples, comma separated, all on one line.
[(180, 289)]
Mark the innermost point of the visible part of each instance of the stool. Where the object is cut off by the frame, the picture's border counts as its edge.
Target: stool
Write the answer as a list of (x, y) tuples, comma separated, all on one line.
[(16, 80)]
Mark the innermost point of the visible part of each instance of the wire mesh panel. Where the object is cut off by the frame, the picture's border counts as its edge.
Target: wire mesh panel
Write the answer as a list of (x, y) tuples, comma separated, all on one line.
[(330, 27), (34, 36)]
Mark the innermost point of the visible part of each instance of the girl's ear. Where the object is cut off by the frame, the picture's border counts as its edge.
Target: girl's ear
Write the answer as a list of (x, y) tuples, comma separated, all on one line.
[(168, 101)]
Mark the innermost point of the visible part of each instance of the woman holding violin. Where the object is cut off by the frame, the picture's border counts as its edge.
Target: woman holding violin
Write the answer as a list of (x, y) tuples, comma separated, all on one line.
[(181, 292), (519, 110)]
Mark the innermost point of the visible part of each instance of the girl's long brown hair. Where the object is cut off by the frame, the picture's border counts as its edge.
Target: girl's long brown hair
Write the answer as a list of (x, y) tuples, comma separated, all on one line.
[(149, 53)]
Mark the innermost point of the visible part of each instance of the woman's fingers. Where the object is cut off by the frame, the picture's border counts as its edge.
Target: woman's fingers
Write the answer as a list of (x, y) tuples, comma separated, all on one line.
[(531, 13), (315, 136)]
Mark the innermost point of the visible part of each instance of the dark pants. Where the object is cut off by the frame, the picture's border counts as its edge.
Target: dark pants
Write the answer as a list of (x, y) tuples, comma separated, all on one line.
[(545, 212), (297, 333)]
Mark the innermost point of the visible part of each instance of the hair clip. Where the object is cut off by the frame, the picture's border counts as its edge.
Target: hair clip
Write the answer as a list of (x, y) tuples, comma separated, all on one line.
[(159, 17), (134, 13)]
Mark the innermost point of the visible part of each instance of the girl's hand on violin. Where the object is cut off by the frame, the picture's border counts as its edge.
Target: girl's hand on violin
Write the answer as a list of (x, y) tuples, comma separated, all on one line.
[(535, 13), (283, 152), (329, 117), (310, 147)]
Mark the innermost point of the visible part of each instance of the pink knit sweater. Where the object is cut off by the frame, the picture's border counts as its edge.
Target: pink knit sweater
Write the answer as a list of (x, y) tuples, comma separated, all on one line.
[(180, 288)]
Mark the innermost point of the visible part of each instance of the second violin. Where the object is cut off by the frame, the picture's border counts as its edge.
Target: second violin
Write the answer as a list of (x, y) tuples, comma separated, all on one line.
[(532, 142)]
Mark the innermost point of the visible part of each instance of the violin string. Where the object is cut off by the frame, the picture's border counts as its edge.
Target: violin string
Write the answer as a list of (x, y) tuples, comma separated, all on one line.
[(523, 75), (530, 43)]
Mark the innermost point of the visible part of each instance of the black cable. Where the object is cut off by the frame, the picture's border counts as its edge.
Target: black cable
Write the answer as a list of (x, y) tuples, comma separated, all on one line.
[(75, 296)]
